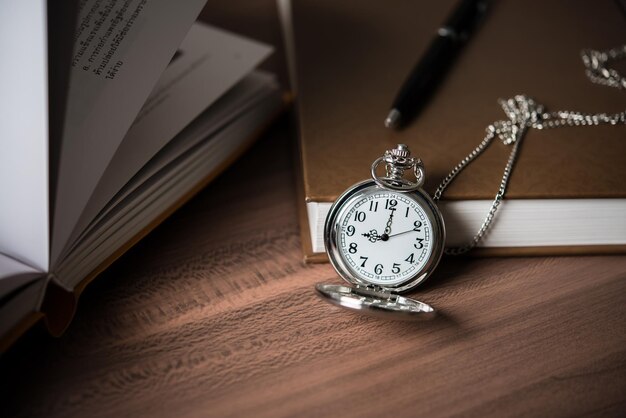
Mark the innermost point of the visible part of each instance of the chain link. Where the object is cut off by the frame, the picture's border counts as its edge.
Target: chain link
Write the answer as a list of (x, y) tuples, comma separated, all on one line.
[(523, 114), (598, 70)]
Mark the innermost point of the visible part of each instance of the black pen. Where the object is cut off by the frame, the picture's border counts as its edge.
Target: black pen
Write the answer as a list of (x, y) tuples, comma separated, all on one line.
[(433, 65)]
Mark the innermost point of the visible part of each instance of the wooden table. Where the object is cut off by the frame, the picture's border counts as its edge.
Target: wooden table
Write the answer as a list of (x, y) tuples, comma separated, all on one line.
[(214, 314)]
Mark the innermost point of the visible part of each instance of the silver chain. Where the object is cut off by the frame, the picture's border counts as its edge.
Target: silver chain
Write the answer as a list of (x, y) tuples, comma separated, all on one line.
[(524, 113)]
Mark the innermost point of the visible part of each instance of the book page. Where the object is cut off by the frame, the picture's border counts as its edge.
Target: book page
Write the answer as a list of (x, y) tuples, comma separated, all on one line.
[(24, 132), (14, 274), (207, 64), (249, 93), (61, 24), (121, 49), (150, 200)]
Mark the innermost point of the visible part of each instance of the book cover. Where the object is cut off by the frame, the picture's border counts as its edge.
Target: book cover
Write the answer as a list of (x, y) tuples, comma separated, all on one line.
[(347, 74)]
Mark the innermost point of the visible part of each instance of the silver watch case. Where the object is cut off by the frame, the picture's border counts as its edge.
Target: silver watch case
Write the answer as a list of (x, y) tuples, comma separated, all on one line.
[(365, 296)]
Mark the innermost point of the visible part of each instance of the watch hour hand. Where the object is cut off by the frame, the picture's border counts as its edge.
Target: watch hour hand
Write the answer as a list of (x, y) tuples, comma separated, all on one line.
[(372, 236)]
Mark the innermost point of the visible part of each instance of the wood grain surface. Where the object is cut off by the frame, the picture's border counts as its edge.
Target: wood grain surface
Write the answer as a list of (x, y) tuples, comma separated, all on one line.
[(214, 314)]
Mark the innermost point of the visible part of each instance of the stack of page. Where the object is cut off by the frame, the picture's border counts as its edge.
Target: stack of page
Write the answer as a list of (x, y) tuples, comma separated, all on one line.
[(104, 136)]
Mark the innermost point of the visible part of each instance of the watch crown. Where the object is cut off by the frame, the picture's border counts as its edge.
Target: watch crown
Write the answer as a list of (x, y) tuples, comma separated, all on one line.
[(401, 151), (398, 160)]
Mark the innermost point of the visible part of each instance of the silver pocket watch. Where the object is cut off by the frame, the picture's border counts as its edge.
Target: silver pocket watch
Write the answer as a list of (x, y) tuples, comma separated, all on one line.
[(384, 236)]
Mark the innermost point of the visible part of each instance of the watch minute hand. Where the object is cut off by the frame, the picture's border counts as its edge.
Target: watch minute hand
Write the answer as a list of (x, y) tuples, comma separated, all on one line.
[(389, 221)]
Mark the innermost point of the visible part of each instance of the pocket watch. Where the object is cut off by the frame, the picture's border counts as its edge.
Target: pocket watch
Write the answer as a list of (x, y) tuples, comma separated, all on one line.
[(384, 236)]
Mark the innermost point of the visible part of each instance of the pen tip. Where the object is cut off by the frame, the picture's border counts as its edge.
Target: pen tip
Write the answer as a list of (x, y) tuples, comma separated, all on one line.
[(393, 119)]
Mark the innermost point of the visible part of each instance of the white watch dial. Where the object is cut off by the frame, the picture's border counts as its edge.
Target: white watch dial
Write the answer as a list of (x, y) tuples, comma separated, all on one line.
[(385, 237)]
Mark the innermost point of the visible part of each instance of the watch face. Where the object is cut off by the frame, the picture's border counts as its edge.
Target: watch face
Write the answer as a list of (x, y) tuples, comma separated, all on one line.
[(384, 237)]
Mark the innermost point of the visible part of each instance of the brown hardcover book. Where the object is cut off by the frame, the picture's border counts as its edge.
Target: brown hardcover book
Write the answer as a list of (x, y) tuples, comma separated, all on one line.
[(567, 193), (138, 120)]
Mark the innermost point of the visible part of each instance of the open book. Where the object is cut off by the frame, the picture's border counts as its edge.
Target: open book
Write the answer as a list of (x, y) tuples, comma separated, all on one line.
[(111, 116)]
